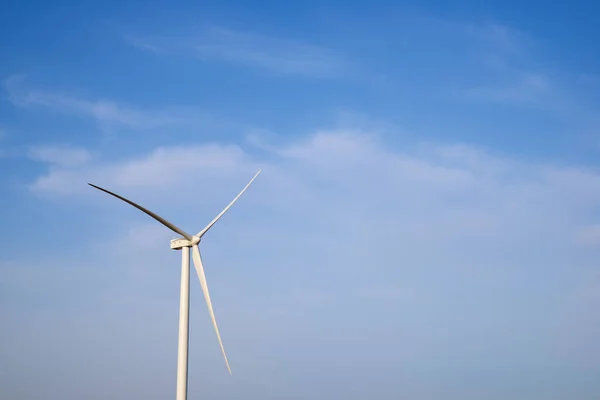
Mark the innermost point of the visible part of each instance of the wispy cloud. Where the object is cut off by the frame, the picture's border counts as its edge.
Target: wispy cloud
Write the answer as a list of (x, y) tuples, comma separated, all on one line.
[(103, 111), (62, 156), (514, 73), (358, 163), (590, 235), (159, 170), (277, 55), (3, 135), (523, 89), (503, 39)]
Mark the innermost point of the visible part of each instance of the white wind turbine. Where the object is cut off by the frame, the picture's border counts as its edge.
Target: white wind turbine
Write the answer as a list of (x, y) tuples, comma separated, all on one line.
[(188, 241)]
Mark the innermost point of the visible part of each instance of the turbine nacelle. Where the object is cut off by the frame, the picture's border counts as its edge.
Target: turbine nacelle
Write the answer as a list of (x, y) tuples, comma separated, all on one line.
[(180, 243)]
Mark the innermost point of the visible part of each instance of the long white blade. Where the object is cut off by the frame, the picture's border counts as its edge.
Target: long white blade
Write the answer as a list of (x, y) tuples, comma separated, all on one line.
[(200, 271), (203, 231)]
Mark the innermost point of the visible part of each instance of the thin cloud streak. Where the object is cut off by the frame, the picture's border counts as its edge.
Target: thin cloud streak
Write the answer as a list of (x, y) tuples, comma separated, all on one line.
[(63, 156), (106, 111), (276, 55), (516, 78)]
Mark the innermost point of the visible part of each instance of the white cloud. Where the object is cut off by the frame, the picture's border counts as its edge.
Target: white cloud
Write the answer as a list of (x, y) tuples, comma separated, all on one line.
[(352, 172), (100, 109), (514, 71), (3, 134), (499, 38), (106, 111), (527, 89), (163, 169), (590, 235), (62, 156), (274, 54)]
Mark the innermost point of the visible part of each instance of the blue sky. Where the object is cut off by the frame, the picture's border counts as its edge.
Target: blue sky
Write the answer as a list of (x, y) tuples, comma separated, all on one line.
[(427, 224)]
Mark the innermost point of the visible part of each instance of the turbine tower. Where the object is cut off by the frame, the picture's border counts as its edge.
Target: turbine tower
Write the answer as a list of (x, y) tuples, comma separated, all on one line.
[(185, 243)]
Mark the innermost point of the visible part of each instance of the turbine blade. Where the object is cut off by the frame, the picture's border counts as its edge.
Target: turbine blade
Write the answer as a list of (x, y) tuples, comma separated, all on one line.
[(203, 231), (150, 213), (200, 271)]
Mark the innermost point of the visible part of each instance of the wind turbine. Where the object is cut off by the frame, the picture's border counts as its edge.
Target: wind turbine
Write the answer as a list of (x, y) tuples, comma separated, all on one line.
[(185, 243)]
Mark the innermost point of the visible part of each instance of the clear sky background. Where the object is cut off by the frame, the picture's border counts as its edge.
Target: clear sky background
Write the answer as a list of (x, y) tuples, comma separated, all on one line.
[(426, 226)]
